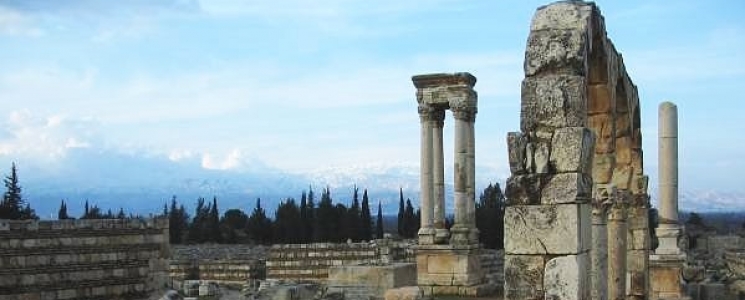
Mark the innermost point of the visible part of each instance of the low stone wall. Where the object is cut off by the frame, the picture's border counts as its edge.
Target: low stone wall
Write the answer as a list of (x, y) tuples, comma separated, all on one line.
[(311, 262), (83, 259), (222, 264), (492, 264)]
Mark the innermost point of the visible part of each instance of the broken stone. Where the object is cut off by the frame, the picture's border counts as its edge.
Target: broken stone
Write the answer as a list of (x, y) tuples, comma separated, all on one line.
[(523, 277), (516, 143), (567, 188), (553, 101), (563, 15), (541, 158), (572, 150), (525, 189), (602, 171), (566, 277), (602, 127)]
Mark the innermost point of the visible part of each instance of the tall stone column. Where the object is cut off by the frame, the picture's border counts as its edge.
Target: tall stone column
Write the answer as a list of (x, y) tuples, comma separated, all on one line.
[(461, 225), (599, 252), (426, 231), (441, 232), (471, 184), (668, 229), (617, 233)]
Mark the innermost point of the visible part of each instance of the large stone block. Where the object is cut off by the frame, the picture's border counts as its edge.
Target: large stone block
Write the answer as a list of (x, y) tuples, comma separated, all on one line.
[(553, 51), (567, 188), (600, 99), (563, 15), (567, 277), (523, 277), (602, 126), (603, 165), (547, 229), (553, 101), (572, 150)]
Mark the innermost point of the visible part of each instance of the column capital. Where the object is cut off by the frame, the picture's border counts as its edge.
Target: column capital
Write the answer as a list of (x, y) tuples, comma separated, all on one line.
[(467, 114), (438, 117), (426, 113)]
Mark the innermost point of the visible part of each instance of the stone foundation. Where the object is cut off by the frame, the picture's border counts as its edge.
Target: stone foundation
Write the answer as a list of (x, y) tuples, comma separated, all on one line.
[(83, 259)]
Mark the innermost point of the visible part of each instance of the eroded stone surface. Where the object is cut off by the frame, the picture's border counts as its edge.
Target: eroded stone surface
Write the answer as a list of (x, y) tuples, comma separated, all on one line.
[(523, 275), (553, 101), (572, 150), (547, 229), (566, 277), (567, 188)]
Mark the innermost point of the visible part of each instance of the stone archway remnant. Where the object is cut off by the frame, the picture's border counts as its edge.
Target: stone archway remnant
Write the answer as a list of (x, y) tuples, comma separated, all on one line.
[(576, 221)]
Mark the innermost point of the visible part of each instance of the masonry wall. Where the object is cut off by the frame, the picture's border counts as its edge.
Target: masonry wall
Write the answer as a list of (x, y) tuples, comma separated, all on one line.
[(83, 259), (311, 262)]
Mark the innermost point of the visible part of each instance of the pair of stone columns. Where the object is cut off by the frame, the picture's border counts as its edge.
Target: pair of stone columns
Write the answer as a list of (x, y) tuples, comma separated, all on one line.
[(435, 94)]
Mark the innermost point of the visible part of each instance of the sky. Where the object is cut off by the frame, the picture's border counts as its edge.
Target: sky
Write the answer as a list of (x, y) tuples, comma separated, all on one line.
[(300, 85)]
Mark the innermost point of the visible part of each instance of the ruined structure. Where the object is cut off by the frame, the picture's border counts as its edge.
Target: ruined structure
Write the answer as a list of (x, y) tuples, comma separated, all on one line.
[(448, 261), (577, 197), (83, 259)]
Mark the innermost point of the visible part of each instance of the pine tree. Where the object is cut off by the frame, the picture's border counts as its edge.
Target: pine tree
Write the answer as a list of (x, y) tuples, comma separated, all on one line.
[(490, 217), (287, 223), (365, 218), (62, 213), (231, 225), (12, 206), (214, 223), (121, 214), (379, 222), (197, 232), (304, 218), (310, 221), (401, 213), (326, 227)]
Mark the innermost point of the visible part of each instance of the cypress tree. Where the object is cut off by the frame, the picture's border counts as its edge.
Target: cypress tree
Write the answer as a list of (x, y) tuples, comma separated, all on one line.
[(214, 223), (366, 218), (379, 222), (259, 227), (62, 213), (401, 213), (304, 218), (310, 222), (409, 220), (353, 220)]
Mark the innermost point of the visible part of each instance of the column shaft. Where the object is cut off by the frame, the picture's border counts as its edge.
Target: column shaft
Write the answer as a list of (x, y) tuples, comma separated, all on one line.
[(668, 168), (460, 227), (438, 164), (599, 255), (617, 232), (471, 182), (426, 231)]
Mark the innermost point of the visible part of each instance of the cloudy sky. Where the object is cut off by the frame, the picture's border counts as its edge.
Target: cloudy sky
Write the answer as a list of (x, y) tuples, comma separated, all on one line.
[(302, 85)]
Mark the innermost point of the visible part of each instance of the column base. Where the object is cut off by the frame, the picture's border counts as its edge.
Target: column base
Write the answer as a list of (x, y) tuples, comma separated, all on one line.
[(668, 240), (460, 235), (473, 235), (442, 236), (666, 277), (451, 270), (426, 236)]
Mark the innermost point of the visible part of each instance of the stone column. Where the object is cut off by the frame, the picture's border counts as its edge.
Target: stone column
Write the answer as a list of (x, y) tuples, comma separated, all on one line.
[(461, 225), (471, 183), (426, 230), (599, 251), (617, 232), (438, 163), (668, 229)]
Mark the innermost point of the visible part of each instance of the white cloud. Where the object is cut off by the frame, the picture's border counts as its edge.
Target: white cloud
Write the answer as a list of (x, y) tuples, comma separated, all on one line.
[(45, 138)]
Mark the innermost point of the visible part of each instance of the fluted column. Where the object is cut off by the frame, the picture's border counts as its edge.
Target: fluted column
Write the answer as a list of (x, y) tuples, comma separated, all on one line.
[(668, 229), (438, 168), (426, 230)]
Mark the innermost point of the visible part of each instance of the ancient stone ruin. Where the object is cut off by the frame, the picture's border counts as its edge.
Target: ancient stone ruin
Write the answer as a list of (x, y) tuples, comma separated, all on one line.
[(576, 222)]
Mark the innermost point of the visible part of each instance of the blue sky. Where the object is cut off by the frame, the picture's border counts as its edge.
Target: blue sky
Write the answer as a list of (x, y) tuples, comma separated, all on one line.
[(303, 85)]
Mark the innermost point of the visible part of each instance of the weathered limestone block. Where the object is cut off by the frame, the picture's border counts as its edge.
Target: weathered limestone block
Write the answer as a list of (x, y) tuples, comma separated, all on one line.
[(553, 51), (523, 277), (404, 293), (603, 127), (547, 229), (516, 143), (622, 176), (553, 101), (562, 15), (600, 100), (572, 150), (541, 157), (603, 165), (525, 189), (566, 277), (567, 188)]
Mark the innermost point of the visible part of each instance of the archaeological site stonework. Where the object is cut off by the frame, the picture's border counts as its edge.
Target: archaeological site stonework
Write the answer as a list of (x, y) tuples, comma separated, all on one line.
[(83, 259), (576, 222)]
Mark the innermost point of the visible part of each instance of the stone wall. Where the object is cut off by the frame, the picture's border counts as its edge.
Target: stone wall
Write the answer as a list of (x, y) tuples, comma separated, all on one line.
[(492, 264), (311, 262), (83, 259), (223, 264)]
